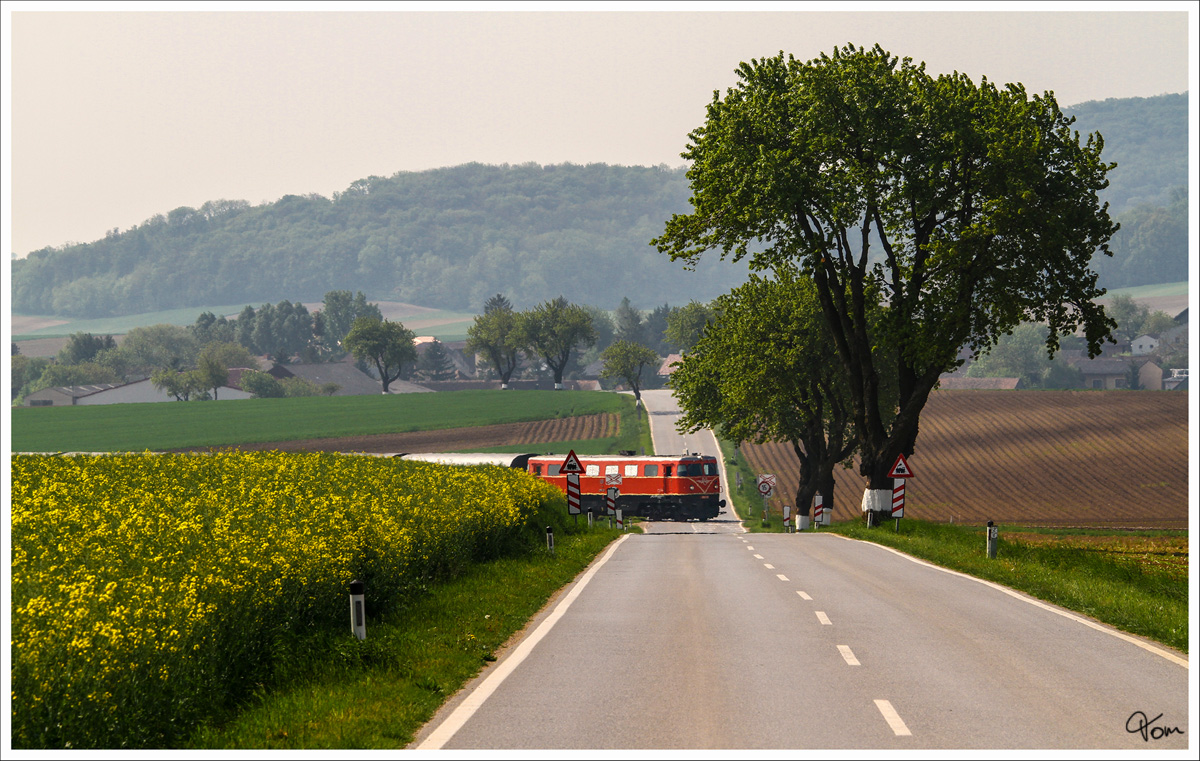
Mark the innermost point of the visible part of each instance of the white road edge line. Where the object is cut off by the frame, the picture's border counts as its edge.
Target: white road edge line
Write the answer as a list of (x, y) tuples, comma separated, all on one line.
[(1046, 606), (466, 709), (824, 619), (892, 718), (848, 654), (803, 595)]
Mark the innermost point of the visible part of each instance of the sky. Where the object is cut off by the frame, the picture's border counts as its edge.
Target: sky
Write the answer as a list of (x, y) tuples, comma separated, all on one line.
[(112, 117)]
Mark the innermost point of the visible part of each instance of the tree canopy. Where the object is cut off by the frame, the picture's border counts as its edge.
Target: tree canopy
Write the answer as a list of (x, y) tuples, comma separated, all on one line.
[(625, 360), (554, 330), (387, 345), (766, 371), (967, 207)]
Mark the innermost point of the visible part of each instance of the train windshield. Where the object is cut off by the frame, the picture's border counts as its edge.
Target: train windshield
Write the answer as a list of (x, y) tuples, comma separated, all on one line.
[(698, 469)]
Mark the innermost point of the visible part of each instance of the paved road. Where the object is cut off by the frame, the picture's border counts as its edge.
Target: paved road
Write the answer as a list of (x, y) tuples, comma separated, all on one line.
[(664, 411), (718, 639)]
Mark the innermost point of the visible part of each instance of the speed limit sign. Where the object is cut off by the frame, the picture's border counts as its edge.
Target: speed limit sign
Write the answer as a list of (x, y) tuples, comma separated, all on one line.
[(766, 484)]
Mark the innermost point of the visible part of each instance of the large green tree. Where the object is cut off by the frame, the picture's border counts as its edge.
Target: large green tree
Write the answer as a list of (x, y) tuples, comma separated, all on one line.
[(970, 207), (494, 336), (766, 370), (385, 344), (625, 361), (553, 330)]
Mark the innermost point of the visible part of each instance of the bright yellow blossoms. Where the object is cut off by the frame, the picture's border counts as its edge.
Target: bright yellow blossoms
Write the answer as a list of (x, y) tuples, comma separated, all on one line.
[(148, 589)]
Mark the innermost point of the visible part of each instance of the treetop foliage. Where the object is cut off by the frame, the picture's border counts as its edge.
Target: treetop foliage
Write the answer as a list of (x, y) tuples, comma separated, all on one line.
[(982, 201)]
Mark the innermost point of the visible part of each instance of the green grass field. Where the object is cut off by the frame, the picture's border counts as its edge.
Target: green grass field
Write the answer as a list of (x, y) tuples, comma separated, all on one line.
[(1151, 291), (140, 427)]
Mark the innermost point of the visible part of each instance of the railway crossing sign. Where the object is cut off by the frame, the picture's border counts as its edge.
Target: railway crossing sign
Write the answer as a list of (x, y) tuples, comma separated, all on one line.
[(900, 469), (613, 479), (573, 494), (571, 464), (766, 484)]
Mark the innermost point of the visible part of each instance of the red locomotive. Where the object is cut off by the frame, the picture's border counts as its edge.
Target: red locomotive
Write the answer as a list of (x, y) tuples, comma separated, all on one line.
[(657, 487)]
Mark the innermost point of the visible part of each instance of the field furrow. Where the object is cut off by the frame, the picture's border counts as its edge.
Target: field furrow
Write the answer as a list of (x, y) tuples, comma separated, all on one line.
[(1115, 458)]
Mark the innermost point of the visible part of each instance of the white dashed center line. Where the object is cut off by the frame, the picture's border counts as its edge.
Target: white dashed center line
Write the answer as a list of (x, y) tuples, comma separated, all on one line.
[(781, 577), (803, 595), (824, 619), (848, 655), (768, 565), (760, 557), (892, 718)]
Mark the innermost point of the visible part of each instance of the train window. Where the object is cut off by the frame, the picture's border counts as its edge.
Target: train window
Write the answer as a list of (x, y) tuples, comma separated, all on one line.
[(666, 471), (710, 469), (593, 470), (651, 470), (611, 470), (553, 470), (631, 470), (691, 469), (536, 469)]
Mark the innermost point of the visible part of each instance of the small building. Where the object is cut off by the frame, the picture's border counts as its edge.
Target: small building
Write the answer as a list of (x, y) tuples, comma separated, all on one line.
[(135, 392), (1104, 373), (1143, 345), (960, 382), (1177, 381), (64, 396), (665, 369)]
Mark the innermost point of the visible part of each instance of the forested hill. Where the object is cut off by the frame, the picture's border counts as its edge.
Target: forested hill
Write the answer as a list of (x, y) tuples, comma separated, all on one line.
[(450, 238), (1147, 138), (447, 238)]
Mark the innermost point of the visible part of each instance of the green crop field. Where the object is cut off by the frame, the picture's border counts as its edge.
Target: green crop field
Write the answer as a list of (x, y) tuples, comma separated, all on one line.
[(167, 425)]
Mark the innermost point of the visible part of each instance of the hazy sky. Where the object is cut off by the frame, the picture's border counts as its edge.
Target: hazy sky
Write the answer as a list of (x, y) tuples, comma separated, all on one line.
[(114, 116)]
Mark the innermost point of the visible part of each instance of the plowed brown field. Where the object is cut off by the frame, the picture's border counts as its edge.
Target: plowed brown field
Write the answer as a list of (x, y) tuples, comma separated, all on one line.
[(1077, 458), (578, 428)]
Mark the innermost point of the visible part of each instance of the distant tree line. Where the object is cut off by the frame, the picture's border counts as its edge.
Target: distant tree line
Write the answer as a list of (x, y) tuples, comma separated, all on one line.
[(445, 238), (556, 340)]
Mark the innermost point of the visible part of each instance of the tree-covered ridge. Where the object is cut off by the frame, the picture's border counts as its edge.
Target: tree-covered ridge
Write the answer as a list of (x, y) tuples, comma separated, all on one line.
[(445, 238), (451, 237), (1148, 140)]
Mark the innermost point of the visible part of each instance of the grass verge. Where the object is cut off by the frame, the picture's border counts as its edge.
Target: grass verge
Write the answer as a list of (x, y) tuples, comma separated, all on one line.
[(747, 503), (377, 693), (1142, 598)]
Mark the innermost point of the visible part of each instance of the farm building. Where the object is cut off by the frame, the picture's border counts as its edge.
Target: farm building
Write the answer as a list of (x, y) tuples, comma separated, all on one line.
[(958, 382), (1143, 345), (1104, 373), (114, 393)]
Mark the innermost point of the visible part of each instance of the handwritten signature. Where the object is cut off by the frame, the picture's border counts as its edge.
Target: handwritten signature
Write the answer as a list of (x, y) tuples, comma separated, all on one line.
[(1145, 727)]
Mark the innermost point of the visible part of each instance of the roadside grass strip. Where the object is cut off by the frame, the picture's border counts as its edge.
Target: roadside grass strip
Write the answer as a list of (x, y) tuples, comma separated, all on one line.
[(1132, 597)]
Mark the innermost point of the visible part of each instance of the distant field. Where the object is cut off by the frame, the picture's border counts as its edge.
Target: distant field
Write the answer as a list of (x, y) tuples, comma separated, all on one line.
[(1079, 458), (177, 425), (421, 320), (1171, 298)]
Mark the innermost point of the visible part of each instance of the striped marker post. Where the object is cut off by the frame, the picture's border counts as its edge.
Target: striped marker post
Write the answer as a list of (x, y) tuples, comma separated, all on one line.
[(819, 518), (573, 493), (898, 497)]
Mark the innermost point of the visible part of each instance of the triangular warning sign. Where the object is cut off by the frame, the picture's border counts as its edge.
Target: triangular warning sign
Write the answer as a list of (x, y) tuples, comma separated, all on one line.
[(900, 469), (571, 464)]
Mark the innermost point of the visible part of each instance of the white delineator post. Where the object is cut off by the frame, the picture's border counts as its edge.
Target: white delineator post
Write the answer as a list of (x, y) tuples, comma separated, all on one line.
[(358, 612)]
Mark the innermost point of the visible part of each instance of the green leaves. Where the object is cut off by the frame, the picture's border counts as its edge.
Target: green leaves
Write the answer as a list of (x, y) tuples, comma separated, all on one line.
[(966, 208), (389, 345)]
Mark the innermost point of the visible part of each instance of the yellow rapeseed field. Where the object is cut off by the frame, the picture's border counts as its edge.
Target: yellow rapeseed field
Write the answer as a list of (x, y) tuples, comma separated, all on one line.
[(147, 589)]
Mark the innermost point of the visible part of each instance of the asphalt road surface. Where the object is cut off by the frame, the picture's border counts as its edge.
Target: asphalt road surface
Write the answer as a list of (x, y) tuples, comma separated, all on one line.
[(706, 637)]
